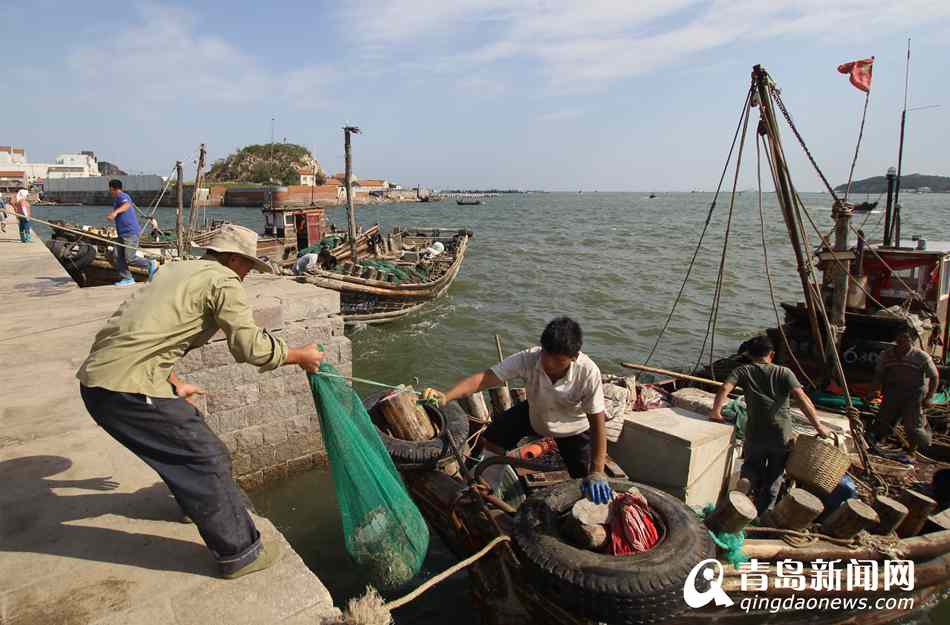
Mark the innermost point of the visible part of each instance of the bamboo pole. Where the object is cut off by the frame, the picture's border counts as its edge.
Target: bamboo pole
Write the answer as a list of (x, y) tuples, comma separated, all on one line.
[(350, 215), (180, 213), (193, 215), (672, 374), (917, 548), (501, 355)]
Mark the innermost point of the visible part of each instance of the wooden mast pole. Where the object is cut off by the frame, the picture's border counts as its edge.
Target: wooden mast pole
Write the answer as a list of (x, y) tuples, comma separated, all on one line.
[(896, 217), (350, 214), (180, 212), (193, 215), (841, 272), (783, 193)]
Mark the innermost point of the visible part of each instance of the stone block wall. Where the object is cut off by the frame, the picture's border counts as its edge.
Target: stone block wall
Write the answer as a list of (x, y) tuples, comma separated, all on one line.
[(268, 420)]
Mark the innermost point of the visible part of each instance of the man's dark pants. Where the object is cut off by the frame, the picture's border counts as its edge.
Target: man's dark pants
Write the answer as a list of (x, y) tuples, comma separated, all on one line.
[(514, 424), (764, 466), (172, 438)]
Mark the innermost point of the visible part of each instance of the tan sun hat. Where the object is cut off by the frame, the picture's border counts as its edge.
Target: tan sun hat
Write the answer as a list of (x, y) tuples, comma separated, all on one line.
[(233, 239)]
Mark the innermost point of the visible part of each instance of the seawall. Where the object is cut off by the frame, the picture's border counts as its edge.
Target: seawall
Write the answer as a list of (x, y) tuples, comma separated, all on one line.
[(88, 532)]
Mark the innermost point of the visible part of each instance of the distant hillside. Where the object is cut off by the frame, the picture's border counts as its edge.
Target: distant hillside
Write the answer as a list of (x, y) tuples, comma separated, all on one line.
[(108, 169), (878, 184), (271, 162)]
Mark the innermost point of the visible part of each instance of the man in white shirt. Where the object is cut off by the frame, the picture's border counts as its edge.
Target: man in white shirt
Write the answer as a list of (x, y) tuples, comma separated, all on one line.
[(565, 401)]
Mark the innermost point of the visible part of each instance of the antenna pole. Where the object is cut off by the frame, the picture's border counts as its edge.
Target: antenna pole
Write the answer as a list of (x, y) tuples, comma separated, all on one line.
[(896, 223), (350, 214)]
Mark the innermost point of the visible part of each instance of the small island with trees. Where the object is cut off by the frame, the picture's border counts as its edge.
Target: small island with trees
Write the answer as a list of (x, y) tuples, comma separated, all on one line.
[(878, 184), (269, 163)]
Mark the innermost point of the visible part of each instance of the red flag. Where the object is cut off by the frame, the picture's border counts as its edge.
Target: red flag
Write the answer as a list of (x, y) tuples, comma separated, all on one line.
[(860, 73)]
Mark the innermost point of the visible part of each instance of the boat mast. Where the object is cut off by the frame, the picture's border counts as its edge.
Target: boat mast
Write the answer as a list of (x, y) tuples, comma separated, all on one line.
[(350, 214), (783, 192), (841, 271), (193, 215), (180, 211), (896, 220)]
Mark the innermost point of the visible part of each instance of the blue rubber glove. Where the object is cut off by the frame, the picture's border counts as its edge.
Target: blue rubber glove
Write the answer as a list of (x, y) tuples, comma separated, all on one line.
[(596, 488)]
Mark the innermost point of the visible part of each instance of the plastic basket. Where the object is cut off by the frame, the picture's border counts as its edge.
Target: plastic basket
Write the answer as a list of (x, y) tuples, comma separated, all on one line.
[(817, 464)]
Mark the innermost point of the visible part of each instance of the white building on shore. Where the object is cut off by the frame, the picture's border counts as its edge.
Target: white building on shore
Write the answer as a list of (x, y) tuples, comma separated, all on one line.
[(15, 167)]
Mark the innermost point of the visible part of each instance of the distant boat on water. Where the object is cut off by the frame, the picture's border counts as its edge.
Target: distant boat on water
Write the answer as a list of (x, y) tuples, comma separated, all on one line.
[(469, 202)]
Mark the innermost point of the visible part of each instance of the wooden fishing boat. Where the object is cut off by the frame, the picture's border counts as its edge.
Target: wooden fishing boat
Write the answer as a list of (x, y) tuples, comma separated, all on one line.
[(88, 252), (379, 278), (539, 577), (857, 293), (397, 277)]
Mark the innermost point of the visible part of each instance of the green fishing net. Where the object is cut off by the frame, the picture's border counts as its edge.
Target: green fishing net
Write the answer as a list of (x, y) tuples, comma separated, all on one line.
[(383, 530), (385, 266), (329, 241)]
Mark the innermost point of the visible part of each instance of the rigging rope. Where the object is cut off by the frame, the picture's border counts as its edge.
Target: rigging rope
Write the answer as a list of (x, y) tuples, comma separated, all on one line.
[(717, 297), (857, 428), (867, 98), (699, 244), (83, 233), (912, 291), (768, 273), (773, 90), (828, 246)]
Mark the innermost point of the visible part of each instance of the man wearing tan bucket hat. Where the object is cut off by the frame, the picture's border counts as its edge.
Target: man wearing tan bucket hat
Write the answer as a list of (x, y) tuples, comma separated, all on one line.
[(129, 386)]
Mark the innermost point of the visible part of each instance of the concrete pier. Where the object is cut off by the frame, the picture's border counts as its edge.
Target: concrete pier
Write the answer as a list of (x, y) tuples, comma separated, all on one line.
[(89, 533)]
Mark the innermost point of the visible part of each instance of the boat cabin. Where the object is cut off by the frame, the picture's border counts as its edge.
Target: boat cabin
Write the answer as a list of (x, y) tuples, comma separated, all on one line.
[(894, 277), (917, 279), (287, 230)]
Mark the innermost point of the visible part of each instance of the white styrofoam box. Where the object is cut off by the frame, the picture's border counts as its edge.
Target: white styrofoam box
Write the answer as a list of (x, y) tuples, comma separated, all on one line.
[(675, 450)]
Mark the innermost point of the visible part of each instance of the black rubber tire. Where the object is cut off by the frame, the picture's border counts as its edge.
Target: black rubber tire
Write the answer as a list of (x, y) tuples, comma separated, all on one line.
[(425, 454), (72, 254), (57, 247), (80, 255), (638, 589)]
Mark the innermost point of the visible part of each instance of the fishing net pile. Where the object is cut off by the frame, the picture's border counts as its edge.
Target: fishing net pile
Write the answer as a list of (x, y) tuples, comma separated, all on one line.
[(383, 530), (401, 274), (328, 242)]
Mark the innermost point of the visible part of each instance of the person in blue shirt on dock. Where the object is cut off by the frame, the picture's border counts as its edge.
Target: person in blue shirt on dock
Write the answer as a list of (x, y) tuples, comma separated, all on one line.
[(128, 230)]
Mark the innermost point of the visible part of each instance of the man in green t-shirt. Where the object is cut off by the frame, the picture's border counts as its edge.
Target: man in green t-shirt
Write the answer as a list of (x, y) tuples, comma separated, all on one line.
[(769, 434)]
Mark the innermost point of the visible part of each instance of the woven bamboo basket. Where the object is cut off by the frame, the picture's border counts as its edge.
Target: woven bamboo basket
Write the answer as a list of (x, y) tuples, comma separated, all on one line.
[(818, 464)]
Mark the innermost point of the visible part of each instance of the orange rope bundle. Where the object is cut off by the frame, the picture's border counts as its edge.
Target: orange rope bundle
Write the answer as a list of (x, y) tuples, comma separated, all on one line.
[(631, 526)]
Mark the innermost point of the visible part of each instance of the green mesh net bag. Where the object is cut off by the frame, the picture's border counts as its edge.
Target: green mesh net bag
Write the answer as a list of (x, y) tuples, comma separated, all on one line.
[(384, 532)]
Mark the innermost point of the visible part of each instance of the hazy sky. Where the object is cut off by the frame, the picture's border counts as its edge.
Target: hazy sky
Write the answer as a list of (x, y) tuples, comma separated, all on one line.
[(626, 95)]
